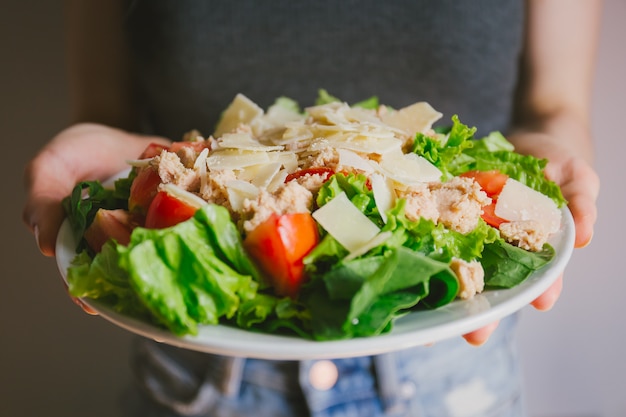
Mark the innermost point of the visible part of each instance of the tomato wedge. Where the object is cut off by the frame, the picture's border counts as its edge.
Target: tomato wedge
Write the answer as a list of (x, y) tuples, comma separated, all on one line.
[(491, 183), (278, 245), (152, 150), (489, 216), (115, 224), (167, 210), (143, 189), (323, 171)]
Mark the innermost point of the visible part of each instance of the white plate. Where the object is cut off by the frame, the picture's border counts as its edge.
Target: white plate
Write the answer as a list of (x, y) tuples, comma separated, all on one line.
[(417, 328)]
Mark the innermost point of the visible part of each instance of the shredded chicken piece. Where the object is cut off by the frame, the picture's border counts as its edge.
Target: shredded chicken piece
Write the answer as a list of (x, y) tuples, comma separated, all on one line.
[(172, 171), (527, 234), (460, 203), (420, 202), (327, 157), (471, 277), (312, 182), (187, 156), (290, 198), (214, 189)]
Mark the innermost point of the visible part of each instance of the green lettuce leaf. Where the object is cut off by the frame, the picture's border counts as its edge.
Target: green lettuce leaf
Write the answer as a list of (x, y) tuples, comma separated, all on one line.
[(102, 279), (435, 240), (357, 190), (324, 97), (456, 150), (179, 274), (86, 199), (444, 150), (368, 293), (507, 266)]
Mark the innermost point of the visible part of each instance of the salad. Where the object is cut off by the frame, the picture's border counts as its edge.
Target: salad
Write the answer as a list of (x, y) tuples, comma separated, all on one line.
[(327, 222)]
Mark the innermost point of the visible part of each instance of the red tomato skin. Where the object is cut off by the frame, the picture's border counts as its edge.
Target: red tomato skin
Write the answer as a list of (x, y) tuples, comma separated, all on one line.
[(266, 248), (110, 224), (278, 245), (143, 190), (325, 172), (298, 233), (166, 211), (196, 146), (153, 150), (489, 216), (490, 181)]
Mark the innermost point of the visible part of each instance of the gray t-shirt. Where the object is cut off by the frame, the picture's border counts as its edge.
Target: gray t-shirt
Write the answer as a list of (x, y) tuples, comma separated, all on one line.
[(193, 57)]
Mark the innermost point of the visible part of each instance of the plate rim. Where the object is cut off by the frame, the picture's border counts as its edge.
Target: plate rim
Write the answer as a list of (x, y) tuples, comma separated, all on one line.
[(490, 306)]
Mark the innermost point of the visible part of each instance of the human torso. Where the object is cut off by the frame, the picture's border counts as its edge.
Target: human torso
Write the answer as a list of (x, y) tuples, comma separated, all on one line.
[(193, 57)]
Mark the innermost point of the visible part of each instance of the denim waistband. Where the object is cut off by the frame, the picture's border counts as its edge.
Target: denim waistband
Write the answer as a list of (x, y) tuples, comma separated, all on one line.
[(190, 383)]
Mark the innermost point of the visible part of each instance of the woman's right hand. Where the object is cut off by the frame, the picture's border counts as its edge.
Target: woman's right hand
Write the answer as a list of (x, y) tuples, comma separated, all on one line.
[(81, 152)]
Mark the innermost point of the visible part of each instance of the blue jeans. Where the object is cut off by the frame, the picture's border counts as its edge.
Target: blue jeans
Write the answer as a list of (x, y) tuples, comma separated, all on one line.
[(448, 379)]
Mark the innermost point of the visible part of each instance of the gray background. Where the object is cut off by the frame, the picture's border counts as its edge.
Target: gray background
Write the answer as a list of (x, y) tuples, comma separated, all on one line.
[(56, 361)]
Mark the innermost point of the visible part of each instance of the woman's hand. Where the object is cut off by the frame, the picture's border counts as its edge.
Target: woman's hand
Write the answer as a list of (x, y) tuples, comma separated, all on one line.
[(570, 167), (81, 152)]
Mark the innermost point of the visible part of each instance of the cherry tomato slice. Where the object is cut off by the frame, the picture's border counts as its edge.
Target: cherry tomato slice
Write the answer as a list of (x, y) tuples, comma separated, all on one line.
[(490, 181), (278, 245), (167, 210), (143, 189), (153, 150), (325, 172)]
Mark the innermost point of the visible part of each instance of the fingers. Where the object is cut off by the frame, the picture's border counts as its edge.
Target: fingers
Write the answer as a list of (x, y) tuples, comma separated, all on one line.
[(48, 179), (81, 304), (542, 303), (584, 211), (43, 216), (581, 186), (84, 306), (81, 152), (585, 215), (547, 300), (480, 336)]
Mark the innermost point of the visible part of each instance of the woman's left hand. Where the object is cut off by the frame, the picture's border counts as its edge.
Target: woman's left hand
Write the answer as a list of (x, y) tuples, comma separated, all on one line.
[(580, 185)]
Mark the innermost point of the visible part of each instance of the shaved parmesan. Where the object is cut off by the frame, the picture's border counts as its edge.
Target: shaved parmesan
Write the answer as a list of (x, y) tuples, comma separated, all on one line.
[(260, 175), (366, 144), (409, 168), (384, 196), (351, 159), (295, 132), (377, 240), (518, 202), (276, 117), (346, 223), (244, 141), (240, 110), (201, 159), (429, 172), (183, 195), (139, 163), (361, 115), (329, 112), (278, 180), (238, 191), (235, 159), (201, 167), (289, 160), (416, 118)]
